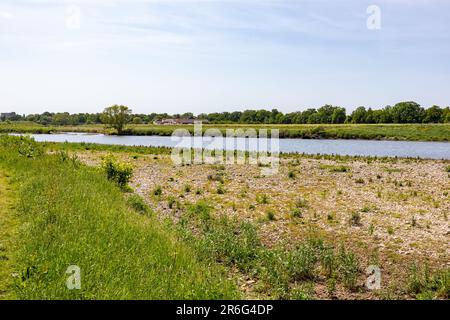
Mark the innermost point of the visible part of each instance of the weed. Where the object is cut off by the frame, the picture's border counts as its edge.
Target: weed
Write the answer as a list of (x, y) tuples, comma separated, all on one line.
[(157, 191), (355, 219)]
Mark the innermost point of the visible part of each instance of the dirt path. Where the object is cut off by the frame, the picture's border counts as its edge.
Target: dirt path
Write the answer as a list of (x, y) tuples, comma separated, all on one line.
[(8, 231)]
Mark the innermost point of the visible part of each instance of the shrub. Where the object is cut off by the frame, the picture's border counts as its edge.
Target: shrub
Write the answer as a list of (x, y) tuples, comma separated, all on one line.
[(120, 172)]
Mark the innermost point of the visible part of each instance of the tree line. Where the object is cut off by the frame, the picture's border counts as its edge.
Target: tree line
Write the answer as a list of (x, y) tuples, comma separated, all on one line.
[(403, 112)]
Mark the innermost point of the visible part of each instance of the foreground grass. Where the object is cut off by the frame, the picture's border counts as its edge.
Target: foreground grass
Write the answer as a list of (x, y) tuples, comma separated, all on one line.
[(71, 215), (413, 132), (8, 235)]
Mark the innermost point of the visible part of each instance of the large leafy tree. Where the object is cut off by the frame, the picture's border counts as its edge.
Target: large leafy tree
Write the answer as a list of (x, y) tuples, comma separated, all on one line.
[(407, 112), (116, 117)]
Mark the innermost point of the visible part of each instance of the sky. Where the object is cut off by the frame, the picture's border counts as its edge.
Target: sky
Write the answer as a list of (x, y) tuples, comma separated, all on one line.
[(198, 56)]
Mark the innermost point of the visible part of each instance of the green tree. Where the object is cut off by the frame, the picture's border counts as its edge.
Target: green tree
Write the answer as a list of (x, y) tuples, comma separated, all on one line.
[(116, 117), (359, 115), (338, 115), (407, 112), (433, 115)]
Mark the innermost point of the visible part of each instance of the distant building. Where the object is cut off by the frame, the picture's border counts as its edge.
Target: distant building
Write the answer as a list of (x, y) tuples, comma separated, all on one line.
[(7, 115), (177, 121)]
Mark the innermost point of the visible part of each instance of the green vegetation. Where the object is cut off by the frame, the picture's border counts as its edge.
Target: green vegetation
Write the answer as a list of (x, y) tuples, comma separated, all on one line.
[(117, 171), (428, 285), (281, 270), (403, 112), (413, 132), (116, 117), (72, 215), (8, 235)]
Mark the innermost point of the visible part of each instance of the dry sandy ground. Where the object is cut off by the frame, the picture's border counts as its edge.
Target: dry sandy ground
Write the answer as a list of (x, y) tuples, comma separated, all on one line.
[(403, 204)]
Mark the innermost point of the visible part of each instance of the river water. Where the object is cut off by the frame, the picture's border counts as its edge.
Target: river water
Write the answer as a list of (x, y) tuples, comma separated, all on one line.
[(382, 148)]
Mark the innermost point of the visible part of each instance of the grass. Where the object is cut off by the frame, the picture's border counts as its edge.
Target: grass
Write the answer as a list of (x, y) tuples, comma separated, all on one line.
[(280, 271), (414, 132), (427, 285), (72, 215), (8, 235)]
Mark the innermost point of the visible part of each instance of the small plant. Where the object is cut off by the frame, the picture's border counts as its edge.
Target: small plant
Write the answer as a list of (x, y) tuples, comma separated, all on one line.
[(201, 209), (296, 213), (390, 230), (291, 175), (120, 172), (371, 229), (220, 189), (447, 169), (187, 188), (348, 269), (413, 221), (198, 191), (270, 215), (262, 198), (359, 181), (355, 219), (339, 169), (301, 203), (157, 191), (171, 202)]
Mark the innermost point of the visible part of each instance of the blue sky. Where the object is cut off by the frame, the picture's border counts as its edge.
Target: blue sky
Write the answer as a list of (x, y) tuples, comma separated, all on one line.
[(177, 56)]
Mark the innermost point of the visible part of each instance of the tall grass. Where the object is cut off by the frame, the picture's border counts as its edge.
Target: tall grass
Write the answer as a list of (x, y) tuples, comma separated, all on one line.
[(72, 215)]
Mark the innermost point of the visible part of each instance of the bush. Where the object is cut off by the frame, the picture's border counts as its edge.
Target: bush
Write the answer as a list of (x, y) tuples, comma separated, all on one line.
[(117, 171)]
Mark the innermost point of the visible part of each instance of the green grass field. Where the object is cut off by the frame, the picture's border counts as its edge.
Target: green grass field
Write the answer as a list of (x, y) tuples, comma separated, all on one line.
[(71, 214), (413, 132)]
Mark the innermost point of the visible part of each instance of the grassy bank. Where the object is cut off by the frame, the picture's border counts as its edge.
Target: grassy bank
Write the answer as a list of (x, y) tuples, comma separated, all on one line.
[(8, 235), (71, 215), (413, 132)]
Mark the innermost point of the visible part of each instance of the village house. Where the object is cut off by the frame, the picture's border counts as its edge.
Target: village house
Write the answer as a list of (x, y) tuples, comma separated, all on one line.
[(177, 121)]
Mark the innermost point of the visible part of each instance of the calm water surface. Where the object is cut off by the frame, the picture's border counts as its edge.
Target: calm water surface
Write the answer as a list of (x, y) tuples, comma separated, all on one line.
[(426, 150)]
